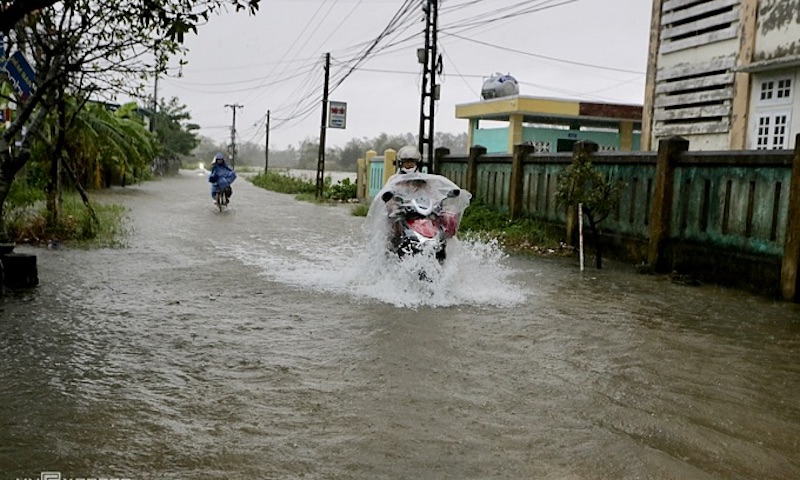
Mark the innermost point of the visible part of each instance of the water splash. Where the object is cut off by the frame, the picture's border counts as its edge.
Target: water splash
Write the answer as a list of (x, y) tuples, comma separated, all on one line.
[(474, 272)]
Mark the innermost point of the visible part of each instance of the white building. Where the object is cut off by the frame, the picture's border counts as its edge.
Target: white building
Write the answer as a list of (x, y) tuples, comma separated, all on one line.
[(723, 74)]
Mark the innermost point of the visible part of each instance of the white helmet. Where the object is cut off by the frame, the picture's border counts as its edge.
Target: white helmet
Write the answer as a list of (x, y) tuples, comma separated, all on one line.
[(406, 155)]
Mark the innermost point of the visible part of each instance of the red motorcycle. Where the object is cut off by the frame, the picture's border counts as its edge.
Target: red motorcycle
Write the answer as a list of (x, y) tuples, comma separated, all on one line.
[(421, 213)]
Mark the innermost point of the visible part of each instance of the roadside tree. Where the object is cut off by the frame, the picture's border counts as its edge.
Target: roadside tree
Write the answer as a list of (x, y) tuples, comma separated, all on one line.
[(583, 184), (86, 49)]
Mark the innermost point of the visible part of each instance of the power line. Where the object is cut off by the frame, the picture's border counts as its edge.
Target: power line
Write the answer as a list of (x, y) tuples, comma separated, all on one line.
[(570, 62)]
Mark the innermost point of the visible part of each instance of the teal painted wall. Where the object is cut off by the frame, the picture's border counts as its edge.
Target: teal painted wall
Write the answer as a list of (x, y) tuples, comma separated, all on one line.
[(739, 207), (496, 139), (375, 176), (730, 205)]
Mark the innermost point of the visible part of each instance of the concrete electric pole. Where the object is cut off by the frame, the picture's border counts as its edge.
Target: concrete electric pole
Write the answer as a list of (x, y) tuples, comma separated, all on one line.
[(323, 128), (232, 146), (430, 90), (266, 147)]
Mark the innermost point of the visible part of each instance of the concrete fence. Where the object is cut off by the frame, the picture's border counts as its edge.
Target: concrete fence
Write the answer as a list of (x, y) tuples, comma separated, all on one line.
[(731, 217)]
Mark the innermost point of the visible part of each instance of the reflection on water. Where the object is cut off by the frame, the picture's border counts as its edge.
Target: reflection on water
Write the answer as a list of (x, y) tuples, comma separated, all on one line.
[(266, 344)]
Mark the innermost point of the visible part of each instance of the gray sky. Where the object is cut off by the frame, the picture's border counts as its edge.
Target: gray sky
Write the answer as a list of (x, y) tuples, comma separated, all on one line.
[(592, 50)]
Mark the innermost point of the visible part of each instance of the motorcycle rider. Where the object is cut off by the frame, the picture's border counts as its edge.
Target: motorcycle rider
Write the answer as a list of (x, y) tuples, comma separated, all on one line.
[(408, 160), (406, 180), (410, 180), (222, 176)]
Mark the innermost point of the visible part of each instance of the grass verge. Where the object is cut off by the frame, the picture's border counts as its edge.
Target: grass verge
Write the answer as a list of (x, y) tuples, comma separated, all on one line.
[(523, 235), (26, 222)]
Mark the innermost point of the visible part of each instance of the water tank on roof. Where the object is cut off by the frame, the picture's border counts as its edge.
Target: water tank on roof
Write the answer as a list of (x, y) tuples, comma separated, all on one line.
[(499, 85)]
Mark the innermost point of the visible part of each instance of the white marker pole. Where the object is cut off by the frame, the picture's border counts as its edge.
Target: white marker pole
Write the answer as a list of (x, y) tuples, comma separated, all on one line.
[(580, 232)]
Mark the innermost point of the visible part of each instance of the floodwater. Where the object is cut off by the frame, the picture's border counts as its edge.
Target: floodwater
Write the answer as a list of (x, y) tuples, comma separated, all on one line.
[(266, 342)]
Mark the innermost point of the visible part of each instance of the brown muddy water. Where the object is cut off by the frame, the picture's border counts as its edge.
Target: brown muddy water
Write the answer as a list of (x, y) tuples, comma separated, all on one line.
[(267, 342)]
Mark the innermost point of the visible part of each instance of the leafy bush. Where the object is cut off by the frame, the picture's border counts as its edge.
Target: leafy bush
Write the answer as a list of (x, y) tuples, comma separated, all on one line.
[(77, 226), (20, 206), (343, 190), (283, 183), (482, 221), (360, 210)]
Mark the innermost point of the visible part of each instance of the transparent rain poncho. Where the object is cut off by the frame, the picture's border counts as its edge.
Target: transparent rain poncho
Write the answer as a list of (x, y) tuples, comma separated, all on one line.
[(423, 186)]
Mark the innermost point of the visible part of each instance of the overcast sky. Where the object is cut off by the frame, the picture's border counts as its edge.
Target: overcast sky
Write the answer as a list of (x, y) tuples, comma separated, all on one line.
[(591, 50)]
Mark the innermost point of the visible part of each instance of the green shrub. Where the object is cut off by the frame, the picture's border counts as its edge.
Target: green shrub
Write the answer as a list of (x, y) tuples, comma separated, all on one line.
[(283, 183), (77, 226), (482, 221), (360, 210), (342, 191)]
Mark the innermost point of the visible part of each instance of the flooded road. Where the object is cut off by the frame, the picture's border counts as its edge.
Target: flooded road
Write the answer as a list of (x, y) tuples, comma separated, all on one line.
[(266, 342)]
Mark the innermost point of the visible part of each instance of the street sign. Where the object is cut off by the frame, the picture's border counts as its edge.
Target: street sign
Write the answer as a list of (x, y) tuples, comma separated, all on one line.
[(337, 114)]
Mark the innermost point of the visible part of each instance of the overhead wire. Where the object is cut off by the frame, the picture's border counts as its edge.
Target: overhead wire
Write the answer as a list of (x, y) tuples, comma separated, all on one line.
[(391, 40), (299, 35), (303, 108), (306, 107), (536, 55)]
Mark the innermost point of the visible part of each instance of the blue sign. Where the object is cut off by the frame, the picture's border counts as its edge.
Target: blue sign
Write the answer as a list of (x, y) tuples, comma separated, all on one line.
[(20, 73), (18, 69)]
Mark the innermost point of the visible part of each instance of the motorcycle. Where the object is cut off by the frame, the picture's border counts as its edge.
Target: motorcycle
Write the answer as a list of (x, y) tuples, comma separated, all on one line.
[(221, 178), (420, 213)]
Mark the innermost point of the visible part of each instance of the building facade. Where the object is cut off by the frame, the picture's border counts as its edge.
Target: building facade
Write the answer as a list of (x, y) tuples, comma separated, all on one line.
[(549, 124), (723, 74)]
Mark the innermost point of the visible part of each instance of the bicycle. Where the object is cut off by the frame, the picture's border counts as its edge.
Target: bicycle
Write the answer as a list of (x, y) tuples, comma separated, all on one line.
[(222, 198)]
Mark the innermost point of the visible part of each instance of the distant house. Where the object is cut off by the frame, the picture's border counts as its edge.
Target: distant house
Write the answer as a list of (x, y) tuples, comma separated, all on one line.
[(550, 125), (723, 74)]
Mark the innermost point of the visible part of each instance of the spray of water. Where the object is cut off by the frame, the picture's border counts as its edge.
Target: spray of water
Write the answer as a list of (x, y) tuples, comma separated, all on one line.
[(474, 272)]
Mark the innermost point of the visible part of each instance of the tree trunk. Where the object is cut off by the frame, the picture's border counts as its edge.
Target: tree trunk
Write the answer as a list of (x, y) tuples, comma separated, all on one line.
[(54, 197), (54, 194), (82, 191), (596, 236)]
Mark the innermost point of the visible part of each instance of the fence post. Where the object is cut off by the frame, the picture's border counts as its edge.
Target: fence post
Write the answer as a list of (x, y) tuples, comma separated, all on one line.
[(389, 157), (582, 147), (439, 155), (516, 182), (472, 168), (791, 244), (361, 179), (368, 166), (669, 151)]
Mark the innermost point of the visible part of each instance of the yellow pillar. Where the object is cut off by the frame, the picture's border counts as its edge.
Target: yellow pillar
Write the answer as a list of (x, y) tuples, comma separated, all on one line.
[(361, 179), (514, 130), (473, 125), (626, 136), (389, 156)]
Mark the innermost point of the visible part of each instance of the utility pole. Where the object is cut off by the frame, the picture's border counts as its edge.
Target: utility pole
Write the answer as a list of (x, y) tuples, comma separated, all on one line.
[(430, 90), (266, 147), (323, 127), (155, 105), (233, 133)]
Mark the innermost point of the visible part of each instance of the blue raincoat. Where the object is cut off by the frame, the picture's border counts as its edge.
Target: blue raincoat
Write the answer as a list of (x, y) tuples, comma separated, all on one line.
[(221, 177)]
